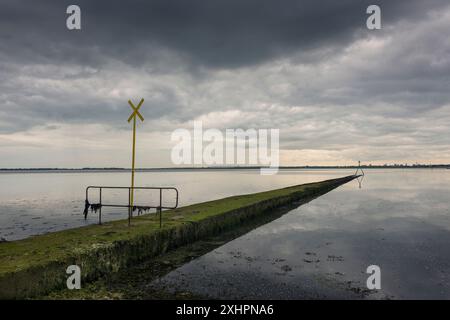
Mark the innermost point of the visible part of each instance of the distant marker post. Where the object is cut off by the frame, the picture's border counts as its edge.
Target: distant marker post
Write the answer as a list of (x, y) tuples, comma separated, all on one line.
[(133, 116)]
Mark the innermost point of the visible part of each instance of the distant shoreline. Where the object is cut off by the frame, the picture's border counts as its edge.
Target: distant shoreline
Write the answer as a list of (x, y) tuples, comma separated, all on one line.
[(17, 170)]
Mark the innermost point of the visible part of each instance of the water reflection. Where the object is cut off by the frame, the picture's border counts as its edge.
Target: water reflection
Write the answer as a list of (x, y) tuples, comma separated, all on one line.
[(360, 180), (400, 221)]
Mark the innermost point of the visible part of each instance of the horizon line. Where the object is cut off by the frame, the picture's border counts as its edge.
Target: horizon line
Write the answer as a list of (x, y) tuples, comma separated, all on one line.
[(395, 165)]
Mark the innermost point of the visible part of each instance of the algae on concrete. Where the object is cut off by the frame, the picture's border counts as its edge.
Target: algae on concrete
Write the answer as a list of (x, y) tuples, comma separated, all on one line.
[(37, 265)]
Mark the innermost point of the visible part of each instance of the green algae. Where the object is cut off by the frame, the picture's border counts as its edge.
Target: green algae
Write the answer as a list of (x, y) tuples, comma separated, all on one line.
[(133, 282)]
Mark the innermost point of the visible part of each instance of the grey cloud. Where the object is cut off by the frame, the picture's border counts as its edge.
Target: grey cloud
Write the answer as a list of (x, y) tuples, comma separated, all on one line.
[(211, 33)]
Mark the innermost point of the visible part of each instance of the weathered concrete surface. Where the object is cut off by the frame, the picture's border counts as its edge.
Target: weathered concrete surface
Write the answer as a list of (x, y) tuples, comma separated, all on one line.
[(37, 265)]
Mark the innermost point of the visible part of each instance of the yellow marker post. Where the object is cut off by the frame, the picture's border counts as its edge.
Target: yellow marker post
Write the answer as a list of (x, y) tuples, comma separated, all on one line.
[(133, 116)]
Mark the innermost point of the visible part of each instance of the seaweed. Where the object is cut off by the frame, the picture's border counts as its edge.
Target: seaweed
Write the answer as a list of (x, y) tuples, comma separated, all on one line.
[(86, 208), (93, 206)]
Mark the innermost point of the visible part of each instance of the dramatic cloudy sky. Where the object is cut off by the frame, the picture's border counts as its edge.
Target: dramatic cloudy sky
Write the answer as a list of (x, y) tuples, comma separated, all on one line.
[(337, 91)]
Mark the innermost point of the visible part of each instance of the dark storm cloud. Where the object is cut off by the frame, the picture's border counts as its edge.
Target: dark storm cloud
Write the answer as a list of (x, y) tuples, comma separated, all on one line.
[(211, 33)]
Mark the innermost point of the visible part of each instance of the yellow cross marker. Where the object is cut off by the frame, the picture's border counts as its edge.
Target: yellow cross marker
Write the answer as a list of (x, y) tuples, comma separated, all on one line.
[(136, 110), (133, 116)]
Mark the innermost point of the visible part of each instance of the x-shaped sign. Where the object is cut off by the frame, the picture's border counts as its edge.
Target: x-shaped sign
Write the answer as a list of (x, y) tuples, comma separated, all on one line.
[(135, 110)]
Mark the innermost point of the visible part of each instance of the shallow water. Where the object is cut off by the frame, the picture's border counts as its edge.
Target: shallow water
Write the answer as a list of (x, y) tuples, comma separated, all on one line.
[(399, 220), (36, 203)]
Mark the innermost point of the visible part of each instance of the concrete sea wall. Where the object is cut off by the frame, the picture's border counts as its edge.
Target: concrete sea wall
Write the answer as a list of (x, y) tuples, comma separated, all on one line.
[(37, 265)]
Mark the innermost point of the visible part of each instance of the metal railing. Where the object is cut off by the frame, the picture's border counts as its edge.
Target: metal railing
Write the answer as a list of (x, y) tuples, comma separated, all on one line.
[(359, 168), (98, 206)]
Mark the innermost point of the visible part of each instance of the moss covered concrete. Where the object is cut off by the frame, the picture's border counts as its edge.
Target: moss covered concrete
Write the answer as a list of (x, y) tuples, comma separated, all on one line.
[(36, 265)]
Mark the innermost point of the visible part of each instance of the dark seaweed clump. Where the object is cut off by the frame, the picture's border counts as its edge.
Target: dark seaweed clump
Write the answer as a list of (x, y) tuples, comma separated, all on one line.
[(93, 206)]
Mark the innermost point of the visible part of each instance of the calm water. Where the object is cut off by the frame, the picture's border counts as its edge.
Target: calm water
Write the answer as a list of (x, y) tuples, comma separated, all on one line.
[(399, 220), (35, 203)]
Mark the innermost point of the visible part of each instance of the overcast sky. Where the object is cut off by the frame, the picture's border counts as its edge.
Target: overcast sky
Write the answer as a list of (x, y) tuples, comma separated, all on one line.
[(337, 91)]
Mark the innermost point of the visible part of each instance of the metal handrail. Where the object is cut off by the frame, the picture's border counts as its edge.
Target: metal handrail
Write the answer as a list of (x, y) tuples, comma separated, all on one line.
[(359, 168), (131, 208)]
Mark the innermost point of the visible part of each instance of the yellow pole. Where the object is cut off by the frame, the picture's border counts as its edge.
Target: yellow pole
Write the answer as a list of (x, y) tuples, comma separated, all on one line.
[(132, 165), (133, 115)]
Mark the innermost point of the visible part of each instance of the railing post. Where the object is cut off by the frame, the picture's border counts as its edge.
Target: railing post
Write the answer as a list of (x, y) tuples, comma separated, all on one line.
[(160, 208), (100, 209), (129, 206)]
